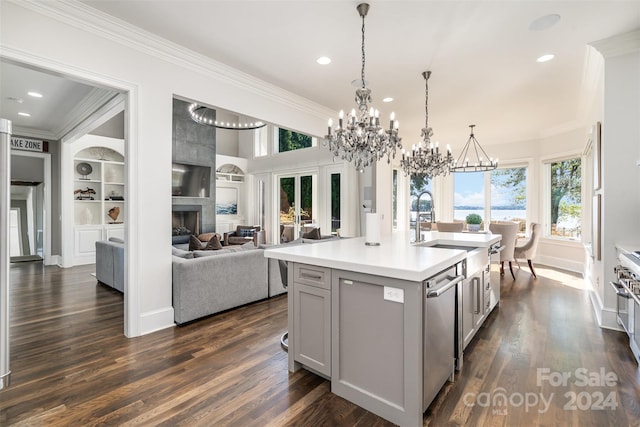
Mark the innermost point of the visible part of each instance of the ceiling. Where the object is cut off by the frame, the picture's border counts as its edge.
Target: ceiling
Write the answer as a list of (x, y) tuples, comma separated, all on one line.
[(482, 56), (64, 103)]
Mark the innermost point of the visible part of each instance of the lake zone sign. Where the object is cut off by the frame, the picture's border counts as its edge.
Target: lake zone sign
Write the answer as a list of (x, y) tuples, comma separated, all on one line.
[(26, 144)]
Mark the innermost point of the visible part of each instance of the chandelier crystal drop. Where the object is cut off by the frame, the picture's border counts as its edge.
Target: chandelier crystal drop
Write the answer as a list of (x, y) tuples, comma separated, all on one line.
[(359, 137), (473, 158), (207, 116), (425, 157)]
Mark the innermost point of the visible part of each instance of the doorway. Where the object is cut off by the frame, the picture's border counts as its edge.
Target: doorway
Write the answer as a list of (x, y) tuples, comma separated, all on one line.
[(298, 204), (31, 194), (26, 237)]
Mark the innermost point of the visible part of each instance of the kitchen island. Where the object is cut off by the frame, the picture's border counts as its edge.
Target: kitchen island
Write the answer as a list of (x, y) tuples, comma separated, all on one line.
[(370, 318)]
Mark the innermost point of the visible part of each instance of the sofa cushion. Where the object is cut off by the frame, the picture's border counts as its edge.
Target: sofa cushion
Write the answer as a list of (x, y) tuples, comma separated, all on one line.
[(313, 234), (181, 253), (213, 244)]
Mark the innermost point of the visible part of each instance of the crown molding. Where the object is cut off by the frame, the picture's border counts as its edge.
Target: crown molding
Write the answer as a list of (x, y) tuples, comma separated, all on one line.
[(79, 15), (620, 44), (98, 116), (94, 100), (34, 133)]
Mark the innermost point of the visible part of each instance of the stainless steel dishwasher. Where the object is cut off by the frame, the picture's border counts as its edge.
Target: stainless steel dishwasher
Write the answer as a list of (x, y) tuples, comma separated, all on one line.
[(439, 330)]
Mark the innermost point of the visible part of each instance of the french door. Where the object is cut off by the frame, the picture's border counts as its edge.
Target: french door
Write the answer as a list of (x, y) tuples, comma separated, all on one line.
[(297, 204)]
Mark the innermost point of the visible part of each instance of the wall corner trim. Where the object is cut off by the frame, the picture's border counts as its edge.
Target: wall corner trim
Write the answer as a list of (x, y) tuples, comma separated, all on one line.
[(617, 45)]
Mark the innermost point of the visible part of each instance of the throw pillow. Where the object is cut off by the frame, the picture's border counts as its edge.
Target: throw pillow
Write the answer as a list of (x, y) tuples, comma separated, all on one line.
[(213, 244), (205, 237), (116, 240), (247, 232), (194, 243), (313, 234)]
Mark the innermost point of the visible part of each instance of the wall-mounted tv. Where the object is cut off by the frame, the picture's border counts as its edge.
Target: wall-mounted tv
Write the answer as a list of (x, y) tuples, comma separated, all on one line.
[(190, 180)]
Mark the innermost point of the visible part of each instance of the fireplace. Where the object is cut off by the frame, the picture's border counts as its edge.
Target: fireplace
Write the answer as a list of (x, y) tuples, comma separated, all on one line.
[(185, 221)]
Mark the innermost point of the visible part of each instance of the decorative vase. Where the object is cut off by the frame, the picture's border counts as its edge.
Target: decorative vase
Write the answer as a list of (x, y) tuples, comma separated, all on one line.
[(473, 227), (87, 216)]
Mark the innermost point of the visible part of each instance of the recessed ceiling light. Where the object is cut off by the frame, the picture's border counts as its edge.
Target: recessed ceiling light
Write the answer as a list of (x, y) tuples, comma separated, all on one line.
[(14, 99), (545, 58), (24, 114), (544, 22), (323, 60), (35, 94), (387, 99)]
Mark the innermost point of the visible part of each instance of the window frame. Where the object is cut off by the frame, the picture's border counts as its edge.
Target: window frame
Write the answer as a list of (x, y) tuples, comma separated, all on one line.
[(545, 167), (527, 164), (276, 140)]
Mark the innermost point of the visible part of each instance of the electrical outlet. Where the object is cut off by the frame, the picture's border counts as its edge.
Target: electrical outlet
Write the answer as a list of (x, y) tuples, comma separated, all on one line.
[(394, 294)]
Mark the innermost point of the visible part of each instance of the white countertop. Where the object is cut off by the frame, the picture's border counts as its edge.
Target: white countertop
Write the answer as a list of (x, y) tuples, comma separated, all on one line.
[(396, 256)]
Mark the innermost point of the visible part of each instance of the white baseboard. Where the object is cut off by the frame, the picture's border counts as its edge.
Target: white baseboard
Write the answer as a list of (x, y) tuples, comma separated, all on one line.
[(606, 317), (562, 263), (52, 260), (156, 320)]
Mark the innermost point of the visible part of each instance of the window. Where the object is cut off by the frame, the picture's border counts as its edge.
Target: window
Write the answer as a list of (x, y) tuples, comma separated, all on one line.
[(289, 140), (335, 202), (509, 195), (563, 210), (468, 195), (260, 141), (418, 184)]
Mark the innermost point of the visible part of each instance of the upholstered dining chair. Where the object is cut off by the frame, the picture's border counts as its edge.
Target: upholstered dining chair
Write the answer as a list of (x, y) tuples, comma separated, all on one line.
[(449, 226), (528, 249), (508, 230)]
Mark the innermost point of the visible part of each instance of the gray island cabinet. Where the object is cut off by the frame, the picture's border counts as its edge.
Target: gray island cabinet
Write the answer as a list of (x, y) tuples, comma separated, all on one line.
[(379, 321)]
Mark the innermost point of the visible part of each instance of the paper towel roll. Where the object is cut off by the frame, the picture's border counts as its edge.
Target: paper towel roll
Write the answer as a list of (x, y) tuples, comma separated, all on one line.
[(372, 237)]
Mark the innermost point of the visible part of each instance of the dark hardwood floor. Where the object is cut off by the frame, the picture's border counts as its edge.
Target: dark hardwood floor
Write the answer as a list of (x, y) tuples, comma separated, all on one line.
[(72, 366)]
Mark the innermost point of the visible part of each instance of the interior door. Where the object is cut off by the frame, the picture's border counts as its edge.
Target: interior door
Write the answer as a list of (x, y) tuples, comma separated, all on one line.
[(297, 206)]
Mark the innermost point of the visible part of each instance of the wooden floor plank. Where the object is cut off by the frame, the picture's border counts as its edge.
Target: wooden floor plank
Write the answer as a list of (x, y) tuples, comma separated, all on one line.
[(72, 364)]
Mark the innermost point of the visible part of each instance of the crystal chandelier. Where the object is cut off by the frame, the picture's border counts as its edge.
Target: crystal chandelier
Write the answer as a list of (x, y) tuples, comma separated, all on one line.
[(207, 116), (359, 138), (480, 161), (425, 158)]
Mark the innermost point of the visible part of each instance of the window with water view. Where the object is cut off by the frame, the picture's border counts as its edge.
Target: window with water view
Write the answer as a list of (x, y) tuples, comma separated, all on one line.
[(565, 198)]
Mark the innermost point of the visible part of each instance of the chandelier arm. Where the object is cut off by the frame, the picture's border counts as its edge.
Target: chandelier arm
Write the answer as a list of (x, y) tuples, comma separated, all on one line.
[(463, 154), (475, 149), (484, 153)]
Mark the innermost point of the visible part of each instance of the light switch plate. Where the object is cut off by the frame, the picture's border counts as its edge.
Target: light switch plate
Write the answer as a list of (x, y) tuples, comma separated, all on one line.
[(394, 294)]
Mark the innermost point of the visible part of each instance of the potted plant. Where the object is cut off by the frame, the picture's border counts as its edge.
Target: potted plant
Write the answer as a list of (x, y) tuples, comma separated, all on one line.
[(473, 222)]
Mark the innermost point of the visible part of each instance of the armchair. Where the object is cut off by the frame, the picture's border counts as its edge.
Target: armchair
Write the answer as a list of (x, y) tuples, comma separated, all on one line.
[(508, 230), (528, 249), (243, 234)]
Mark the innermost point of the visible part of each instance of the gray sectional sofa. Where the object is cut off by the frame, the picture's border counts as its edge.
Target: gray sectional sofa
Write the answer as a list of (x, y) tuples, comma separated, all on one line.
[(207, 282), (110, 263)]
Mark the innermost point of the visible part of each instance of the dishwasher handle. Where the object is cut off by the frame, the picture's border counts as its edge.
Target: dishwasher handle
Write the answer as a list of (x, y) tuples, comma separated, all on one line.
[(442, 289)]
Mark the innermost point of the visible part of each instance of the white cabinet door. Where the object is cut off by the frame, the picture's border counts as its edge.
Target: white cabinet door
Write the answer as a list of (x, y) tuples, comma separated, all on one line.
[(85, 244)]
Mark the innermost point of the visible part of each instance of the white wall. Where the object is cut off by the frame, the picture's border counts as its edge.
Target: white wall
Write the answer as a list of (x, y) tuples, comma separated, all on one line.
[(620, 172), (80, 42)]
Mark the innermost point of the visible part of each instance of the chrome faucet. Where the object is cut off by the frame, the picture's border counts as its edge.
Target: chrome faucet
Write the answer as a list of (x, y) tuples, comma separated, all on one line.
[(418, 225)]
